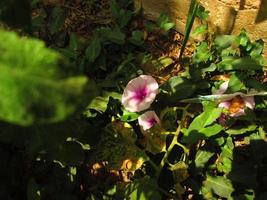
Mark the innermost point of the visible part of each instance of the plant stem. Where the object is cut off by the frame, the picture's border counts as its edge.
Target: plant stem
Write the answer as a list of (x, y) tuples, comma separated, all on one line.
[(175, 140)]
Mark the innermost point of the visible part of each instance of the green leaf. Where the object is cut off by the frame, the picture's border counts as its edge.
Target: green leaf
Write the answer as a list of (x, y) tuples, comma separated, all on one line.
[(232, 63), (210, 68), (200, 30), (202, 157), (115, 35), (143, 189), (205, 119), (178, 88), (34, 87), (39, 20), (224, 41), (243, 38), (239, 130), (257, 48), (179, 171), (219, 185), (203, 126), (100, 103), (163, 22), (202, 13), (202, 53), (129, 116), (137, 38), (122, 16), (57, 19), (235, 84), (163, 62), (93, 50)]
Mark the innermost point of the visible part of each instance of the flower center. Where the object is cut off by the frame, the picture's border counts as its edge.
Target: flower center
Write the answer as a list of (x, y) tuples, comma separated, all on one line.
[(237, 103), (141, 94), (152, 121)]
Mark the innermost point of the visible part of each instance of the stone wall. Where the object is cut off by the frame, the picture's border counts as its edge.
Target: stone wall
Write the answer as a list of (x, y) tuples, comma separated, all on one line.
[(226, 16)]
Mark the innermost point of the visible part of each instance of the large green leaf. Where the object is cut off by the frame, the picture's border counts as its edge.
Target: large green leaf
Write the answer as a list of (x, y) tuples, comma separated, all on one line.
[(34, 86), (204, 126), (219, 185)]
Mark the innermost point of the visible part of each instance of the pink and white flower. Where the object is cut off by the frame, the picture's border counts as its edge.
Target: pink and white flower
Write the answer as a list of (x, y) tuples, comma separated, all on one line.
[(148, 120), (237, 105), (139, 93)]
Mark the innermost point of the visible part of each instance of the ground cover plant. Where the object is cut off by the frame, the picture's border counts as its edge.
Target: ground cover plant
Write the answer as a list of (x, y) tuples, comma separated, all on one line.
[(97, 102)]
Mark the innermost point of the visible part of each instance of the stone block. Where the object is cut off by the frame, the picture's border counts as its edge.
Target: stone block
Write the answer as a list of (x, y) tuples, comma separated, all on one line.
[(226, 16)]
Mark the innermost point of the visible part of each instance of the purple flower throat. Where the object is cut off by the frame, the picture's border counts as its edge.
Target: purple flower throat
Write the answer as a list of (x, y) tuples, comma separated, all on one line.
[(140, 94), (152, 121)]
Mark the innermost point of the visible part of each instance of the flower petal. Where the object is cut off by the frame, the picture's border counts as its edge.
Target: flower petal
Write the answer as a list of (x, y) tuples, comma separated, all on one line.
[(224, 104), (223, 88), (249, 102), (148, 120), (240, 112), (144, 85)]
